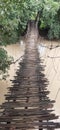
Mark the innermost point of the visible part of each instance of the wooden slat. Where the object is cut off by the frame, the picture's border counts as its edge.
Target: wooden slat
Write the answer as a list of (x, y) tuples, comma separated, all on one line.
[(34, 117), (32, 125), (26, 95), (18, 104)]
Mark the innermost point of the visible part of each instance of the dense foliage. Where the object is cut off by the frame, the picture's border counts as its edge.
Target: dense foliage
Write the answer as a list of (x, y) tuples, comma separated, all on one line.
[(51, 18), (14, 15)]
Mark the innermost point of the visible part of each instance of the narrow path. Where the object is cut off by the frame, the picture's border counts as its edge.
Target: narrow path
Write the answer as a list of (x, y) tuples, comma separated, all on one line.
[(28, 105)]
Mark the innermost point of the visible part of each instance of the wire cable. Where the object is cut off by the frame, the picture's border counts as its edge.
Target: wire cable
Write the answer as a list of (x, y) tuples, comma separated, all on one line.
[(51, 47), (54, 66), (57, 94)]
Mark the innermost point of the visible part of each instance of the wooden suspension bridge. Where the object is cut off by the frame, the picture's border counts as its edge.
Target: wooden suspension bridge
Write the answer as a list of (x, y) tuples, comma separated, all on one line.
[(27, 105)]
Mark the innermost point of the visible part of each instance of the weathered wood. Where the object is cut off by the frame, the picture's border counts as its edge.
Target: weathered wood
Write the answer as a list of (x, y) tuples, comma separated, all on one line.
[(33, 117), (27, 95), (32, 125), (24, 104), (31, 105), (30, 112), (28, 105)]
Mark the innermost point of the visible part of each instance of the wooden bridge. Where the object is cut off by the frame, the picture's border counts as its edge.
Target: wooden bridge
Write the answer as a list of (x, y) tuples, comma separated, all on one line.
[(27, 105)]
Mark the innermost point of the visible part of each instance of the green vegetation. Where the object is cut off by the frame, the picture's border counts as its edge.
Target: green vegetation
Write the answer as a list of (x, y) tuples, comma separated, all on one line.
[(5, 61), (15, 14), (51, 18)]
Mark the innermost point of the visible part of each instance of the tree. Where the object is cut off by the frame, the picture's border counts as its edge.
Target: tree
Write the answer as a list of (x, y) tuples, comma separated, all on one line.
[(50, 18), (15, 15), (5, 61), (14, 18)]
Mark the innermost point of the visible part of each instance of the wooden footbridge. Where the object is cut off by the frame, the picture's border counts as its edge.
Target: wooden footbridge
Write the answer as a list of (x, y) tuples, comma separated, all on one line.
[(27, 105)]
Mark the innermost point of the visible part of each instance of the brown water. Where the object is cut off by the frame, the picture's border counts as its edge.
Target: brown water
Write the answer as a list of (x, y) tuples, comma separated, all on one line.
[(52, 69), (15, 50)]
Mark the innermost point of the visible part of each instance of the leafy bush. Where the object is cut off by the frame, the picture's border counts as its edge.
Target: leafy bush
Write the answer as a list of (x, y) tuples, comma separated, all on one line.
[(5, 61), (54, 31), (51, 18)]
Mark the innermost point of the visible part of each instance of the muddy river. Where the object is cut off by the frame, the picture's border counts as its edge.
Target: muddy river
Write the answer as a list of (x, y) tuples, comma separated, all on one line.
[(50, 55)]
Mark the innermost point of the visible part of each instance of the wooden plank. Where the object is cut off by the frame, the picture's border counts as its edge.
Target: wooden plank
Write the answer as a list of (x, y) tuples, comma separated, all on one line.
[(17, 104), (26, 95), (27, 112), (38, 117), (32, 125), (37, 109), (41, 102), (31, 92), (18, 88)]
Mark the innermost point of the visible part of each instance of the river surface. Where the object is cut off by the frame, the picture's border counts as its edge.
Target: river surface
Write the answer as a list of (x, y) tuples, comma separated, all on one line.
[(51, 60)]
